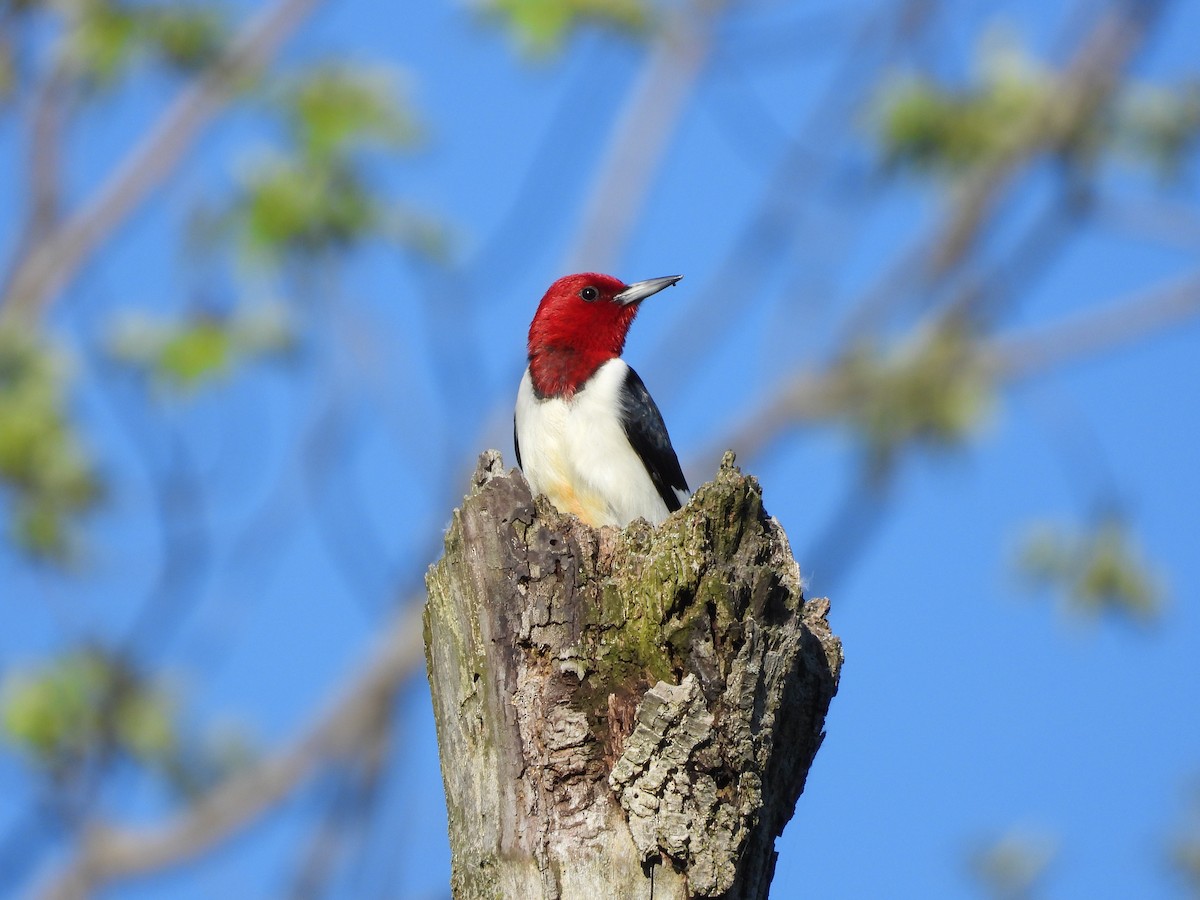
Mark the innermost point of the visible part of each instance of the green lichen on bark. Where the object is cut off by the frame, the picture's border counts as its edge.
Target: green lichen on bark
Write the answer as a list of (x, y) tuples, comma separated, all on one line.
[(557, 654), (684, 589)]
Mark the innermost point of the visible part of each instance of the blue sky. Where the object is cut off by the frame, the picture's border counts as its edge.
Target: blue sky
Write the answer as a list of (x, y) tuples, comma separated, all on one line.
[(967, 707)]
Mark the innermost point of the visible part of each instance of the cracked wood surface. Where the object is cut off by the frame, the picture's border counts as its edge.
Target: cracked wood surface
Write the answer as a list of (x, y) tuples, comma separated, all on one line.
[(621, 711)]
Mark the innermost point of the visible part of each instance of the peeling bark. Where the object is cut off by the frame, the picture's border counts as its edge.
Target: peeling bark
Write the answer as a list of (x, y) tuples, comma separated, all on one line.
[(622, 712)]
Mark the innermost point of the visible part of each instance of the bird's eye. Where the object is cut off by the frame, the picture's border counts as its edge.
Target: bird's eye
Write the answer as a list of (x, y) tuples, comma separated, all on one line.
[(589, 294)]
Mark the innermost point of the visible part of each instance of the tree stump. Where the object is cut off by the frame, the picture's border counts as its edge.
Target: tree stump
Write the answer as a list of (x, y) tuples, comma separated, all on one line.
[(622, 713)]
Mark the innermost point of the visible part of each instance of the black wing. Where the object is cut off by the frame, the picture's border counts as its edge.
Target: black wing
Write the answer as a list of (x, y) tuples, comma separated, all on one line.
[(647, 433), (517, 444)]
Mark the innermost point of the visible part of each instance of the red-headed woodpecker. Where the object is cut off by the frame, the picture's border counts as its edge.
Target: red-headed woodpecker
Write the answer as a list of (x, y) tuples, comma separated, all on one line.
[(587, 433)]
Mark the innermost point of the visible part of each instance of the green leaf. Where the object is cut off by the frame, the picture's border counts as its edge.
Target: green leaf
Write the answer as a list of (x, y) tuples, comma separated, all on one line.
[(70, 714), (185, 37), (104, 37), (144, 724), (194, 353), (1113, 575), (929, 128), (297, 210), (544, 25), (102, 41), (33, 718), (931, 392), (195, 350), (1098, 571), (337, 108), (42, 461), (53, 713), (1012, 865), (317, 199), (946, 130), (82, 705), (302, 207)]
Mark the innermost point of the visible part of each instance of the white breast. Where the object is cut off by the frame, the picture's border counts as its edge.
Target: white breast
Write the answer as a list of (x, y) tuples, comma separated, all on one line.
[(576, 453)]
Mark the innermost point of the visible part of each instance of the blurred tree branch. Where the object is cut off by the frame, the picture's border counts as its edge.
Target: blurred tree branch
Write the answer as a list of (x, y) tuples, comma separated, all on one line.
[(37, 278), (639, 140), (809, 398), (1056, 126), (1158, 220), (942, 274), (108, 853), (355, 797), (45, 150), (1142, 315), (764, 239), (876, 396)]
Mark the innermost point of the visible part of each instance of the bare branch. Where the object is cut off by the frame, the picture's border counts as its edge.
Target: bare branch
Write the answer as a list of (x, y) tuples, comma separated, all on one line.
[(1027, 355), (639, 141), (344, 825), (38, 277), (810, 397), (45, 153), (1158, 219), (762, 242), (1089, 80), (109, 853)]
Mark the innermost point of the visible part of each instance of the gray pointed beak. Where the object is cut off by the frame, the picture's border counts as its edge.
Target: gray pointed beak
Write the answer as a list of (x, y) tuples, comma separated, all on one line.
[(640, 290)]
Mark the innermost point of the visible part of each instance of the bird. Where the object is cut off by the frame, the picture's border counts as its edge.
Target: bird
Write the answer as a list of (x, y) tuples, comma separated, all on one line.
[(587, 433)]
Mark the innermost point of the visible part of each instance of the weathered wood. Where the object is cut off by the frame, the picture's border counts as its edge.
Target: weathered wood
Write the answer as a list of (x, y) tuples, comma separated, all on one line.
[(621, 712)]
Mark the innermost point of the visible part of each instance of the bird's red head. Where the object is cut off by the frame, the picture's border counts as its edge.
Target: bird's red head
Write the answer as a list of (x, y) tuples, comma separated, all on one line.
[(581, 324)]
